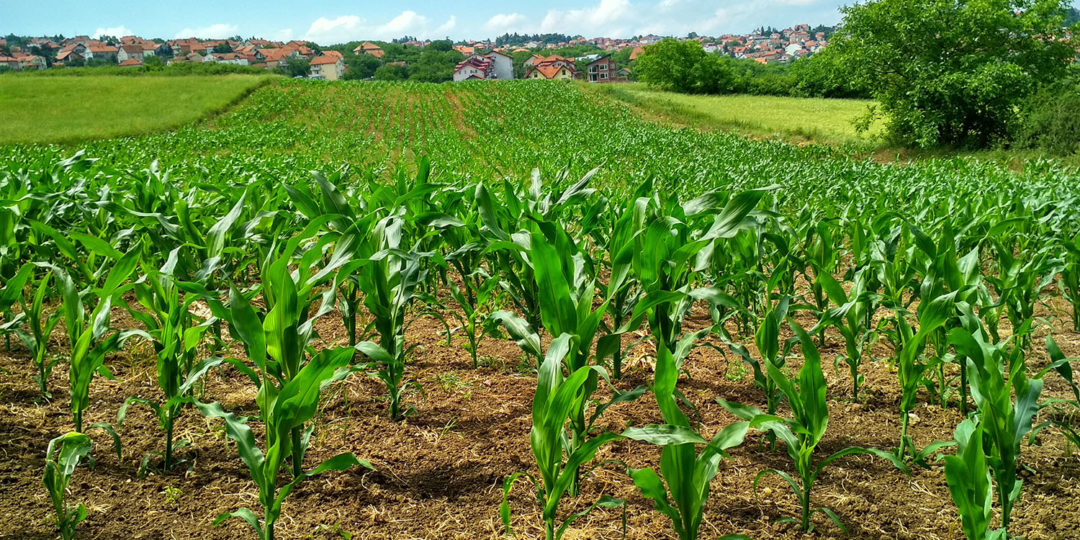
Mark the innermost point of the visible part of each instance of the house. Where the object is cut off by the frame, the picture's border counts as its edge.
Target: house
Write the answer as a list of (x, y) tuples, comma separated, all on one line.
[(29, 61), (475, 67), (101, 53), (127, 52), (603, 70), (226, 58), (634, 54), (491, 66), (327, 67), (9, 62), (550, 67), (278, 57), (368, 47), (551, 72), (131, 62), (464, 49)]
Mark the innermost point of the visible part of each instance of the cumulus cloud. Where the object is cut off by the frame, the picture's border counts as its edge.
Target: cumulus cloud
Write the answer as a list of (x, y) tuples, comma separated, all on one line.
[(506, 22), (344, 28), (115, 31), (605, 15), (214, 31)]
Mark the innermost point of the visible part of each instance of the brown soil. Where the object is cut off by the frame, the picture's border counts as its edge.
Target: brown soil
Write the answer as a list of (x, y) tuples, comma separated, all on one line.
[(440, 472)]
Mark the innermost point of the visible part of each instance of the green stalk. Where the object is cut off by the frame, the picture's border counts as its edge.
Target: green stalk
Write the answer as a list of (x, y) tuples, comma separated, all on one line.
[(297, 453)]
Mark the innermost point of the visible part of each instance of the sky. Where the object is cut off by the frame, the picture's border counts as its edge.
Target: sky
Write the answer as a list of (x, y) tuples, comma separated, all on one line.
[(338, 21)]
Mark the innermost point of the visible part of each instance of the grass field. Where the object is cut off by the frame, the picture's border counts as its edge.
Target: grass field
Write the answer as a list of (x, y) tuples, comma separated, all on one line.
[(829, 121), (71, 109)]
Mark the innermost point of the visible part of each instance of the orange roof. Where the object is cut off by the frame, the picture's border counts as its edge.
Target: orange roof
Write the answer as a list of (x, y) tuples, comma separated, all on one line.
[(103, 49), (549, 71), (324, 59), (638, 51), (131, 62), (274, 55), (335, 54)]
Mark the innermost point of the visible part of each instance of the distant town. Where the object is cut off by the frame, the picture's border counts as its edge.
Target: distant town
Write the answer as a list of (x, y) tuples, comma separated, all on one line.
[(511, 56)]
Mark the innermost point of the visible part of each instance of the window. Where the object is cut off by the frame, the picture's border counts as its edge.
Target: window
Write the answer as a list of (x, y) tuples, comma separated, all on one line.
[(603, 67), (603, 75)]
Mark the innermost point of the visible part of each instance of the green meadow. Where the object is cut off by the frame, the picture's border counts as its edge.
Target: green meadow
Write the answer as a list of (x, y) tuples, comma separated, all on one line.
[(827, 121), (72, 109)]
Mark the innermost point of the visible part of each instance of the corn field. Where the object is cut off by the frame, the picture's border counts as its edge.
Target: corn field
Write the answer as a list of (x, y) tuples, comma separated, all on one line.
[(434, 311)]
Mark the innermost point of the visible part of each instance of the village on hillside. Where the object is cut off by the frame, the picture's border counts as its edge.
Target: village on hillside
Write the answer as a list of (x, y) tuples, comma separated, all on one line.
[(599, 60)]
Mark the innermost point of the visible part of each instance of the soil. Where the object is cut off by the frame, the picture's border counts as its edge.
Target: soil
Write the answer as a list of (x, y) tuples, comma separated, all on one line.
[(440, 472)]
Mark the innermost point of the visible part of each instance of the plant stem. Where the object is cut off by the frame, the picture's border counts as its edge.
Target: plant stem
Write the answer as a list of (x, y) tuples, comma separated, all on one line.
[(903, 435), (297, 452)]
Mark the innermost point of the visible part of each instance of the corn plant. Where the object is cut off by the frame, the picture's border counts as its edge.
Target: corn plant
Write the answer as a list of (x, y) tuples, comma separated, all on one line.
[(566, 307), (283, 412), (851, 317), (1063, 366), (175, 335), (90, 343), (968, 477), (557, 461), (552, 406), (767, 340), (11, 294), (683, 491), (1070, 278), (474, 318), (932, 315), (802, 433), (61, 458), (1005, 421), (41, 326)]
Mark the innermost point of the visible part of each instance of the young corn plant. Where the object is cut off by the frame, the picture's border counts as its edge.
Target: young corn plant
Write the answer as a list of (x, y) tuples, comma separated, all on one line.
[(558, 463), (10, 295), (681, 491), (851, 318), (1005, 421), (283, 412), (968, 477), (1070, 278), (91, 342), (175, 334), (389, 276), (767, 340), (1063, 366), (475, 314), (61, 458), (802, 433), (567, 307), (552, 406), (41, 326), (932, 315)]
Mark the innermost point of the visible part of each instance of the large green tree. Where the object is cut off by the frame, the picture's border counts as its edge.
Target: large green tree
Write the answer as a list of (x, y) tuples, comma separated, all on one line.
[(953, 71), (670, 64)]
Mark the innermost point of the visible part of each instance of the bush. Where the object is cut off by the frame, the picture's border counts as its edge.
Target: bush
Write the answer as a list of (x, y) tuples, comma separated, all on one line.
[(1050, 119)]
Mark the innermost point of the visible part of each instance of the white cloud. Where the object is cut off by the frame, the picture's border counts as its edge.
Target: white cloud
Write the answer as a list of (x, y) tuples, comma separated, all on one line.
[(445, 28), (214, 31), (115, 31), (603, 17), (326, 31), (506, 22)]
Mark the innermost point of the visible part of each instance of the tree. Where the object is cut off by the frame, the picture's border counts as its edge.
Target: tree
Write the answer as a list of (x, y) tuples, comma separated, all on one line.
[(952, 72), (360, 66), (670, 64), (390, 73), (442, 45), (295, 67), (222, 48)]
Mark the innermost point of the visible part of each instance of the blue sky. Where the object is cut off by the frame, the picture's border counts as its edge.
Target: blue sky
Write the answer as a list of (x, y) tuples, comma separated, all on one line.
[(338, 21)]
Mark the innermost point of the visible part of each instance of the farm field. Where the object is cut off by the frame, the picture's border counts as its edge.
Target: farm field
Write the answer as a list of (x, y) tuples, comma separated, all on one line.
[(71, 109), (819, 120), (428, 289)]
